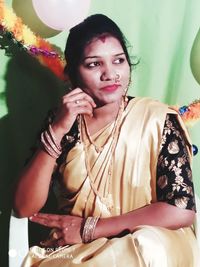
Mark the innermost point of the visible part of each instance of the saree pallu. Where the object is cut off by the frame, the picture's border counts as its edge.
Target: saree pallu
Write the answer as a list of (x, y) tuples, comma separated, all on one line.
[(126, 180)]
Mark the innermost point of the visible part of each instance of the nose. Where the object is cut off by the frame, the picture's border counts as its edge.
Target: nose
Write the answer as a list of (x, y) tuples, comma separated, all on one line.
[(108, 73)]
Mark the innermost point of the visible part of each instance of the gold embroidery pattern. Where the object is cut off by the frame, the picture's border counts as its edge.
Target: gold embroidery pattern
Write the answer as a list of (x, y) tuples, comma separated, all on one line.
[(174, 175)]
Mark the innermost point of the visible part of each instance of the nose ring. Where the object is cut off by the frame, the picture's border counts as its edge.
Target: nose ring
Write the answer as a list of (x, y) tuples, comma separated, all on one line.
[(117, 78)]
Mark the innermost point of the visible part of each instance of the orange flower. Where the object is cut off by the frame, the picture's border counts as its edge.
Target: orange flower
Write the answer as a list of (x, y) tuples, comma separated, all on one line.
[(17, 29), (13, 24)]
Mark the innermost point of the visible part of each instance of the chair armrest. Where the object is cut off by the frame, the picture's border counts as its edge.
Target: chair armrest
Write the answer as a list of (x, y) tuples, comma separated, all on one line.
[(18, 240)]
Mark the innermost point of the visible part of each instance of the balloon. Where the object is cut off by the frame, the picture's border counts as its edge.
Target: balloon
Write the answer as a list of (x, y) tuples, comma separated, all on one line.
[(61, 14), (195, 58), (26, 11)]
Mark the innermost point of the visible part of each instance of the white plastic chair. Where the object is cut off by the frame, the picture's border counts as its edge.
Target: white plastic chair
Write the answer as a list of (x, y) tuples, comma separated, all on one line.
[(18, 237), (18, 240)]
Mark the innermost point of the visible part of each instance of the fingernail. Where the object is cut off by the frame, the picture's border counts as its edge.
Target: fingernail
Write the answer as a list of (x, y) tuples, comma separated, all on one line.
[(30, 218)]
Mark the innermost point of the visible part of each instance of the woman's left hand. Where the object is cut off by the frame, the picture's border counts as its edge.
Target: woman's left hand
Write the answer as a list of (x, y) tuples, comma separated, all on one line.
[(67, 228)]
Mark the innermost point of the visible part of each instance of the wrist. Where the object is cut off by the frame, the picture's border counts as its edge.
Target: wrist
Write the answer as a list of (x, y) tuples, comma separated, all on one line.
[(104, 227), (59, 131)]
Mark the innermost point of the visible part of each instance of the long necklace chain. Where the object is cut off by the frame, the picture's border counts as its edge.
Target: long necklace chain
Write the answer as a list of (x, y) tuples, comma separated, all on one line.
[(99, 148), (104, 198)]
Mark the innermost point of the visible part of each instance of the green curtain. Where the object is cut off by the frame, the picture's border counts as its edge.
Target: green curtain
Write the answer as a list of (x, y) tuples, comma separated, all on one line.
[(160, 33)]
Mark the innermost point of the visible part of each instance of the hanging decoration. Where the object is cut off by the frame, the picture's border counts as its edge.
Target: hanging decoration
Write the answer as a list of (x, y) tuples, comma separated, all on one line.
[(12, 28), (61, 15), (26, 11), (191, 113)]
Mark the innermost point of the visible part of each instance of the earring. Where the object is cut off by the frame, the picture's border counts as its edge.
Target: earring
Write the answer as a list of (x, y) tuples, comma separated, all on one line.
[(126, 94), (126, 91), (117, 78)]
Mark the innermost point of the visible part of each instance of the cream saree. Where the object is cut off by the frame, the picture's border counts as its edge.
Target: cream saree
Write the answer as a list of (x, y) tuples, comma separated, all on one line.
[(125, 180)]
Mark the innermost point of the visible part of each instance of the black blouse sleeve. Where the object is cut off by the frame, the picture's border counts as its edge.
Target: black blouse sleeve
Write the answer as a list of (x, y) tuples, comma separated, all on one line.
[(174, 176)]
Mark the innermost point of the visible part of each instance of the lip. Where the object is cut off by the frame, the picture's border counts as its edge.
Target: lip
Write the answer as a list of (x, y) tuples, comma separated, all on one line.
[(110, 88)]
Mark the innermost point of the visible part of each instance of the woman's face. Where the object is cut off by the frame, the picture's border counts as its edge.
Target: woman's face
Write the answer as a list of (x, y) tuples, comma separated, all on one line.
[(104, 71)]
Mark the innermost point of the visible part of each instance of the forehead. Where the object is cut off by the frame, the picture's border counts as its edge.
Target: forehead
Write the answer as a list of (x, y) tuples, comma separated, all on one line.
[(103, 44)]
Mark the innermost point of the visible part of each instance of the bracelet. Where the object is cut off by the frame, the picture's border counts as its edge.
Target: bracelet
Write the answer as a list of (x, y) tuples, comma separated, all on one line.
[(48, 148), (50, 143), (89, 228), (54, 138)]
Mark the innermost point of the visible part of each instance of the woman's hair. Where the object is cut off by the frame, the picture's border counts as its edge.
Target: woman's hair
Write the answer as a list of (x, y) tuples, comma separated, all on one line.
[(81, 34)]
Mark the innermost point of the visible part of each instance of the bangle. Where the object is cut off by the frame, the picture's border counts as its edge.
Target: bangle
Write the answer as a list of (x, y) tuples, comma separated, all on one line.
[(48, 147), (50, 143), (54, 138), (89, 228)]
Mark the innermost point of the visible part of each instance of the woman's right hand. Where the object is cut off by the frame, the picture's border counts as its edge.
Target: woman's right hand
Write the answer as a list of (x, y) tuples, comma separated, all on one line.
[(74, 103)]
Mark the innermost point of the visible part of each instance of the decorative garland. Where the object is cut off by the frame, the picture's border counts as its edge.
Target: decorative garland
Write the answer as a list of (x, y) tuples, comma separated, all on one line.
[(13, 28), (191, 113), (20, 35)]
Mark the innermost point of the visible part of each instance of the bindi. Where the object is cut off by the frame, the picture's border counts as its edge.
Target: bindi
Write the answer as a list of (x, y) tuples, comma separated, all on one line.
[(102, 38)]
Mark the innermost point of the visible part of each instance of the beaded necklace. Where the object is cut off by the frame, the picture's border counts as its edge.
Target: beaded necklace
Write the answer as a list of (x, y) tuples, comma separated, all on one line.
[(106, 197)]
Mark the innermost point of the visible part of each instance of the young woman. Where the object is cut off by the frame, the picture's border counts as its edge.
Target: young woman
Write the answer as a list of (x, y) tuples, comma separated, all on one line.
[(123, 172)]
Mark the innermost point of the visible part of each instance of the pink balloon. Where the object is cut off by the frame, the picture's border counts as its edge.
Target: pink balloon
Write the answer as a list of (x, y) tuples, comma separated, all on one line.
[(61, 14)]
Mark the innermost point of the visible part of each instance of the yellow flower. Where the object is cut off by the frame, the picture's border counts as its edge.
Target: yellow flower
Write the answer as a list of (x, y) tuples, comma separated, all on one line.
[(9, 19), (28, 37)]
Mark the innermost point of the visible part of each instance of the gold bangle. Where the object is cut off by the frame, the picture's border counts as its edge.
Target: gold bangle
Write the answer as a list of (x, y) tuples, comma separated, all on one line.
[(48, 148), (54, 138), (89, 229)]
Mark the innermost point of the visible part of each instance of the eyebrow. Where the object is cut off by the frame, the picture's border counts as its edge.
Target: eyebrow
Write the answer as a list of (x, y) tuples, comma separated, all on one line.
[(90, 57)]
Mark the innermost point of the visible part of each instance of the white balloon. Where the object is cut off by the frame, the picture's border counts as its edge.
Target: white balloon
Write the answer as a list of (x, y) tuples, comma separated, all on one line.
[(26, 11), (61, 14)]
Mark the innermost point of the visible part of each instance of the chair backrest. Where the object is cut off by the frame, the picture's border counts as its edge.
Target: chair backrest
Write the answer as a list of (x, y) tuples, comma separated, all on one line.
[(18, 240)]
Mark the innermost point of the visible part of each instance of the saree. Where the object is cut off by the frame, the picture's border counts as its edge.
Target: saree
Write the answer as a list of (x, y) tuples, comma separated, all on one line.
[(123, 179)]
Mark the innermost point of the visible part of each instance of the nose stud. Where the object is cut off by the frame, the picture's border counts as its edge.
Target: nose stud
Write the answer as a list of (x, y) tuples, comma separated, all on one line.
[(117, 78)]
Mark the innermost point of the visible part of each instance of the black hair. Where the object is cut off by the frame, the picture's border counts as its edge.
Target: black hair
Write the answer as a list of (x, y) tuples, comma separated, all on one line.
[(79, 36)]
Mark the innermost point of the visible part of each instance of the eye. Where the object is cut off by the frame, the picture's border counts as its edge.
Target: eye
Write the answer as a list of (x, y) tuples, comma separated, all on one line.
[(93, 64), (119, 60)]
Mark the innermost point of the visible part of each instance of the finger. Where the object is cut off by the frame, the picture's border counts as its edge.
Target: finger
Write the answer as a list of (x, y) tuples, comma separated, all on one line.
[(48, 216), (82, 107), (57, 235), (74, 91), (78, 96), (45, 222), (82, 102), (53, 239), (61, 242), (90, 99), (47, 243), (84, 111)]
